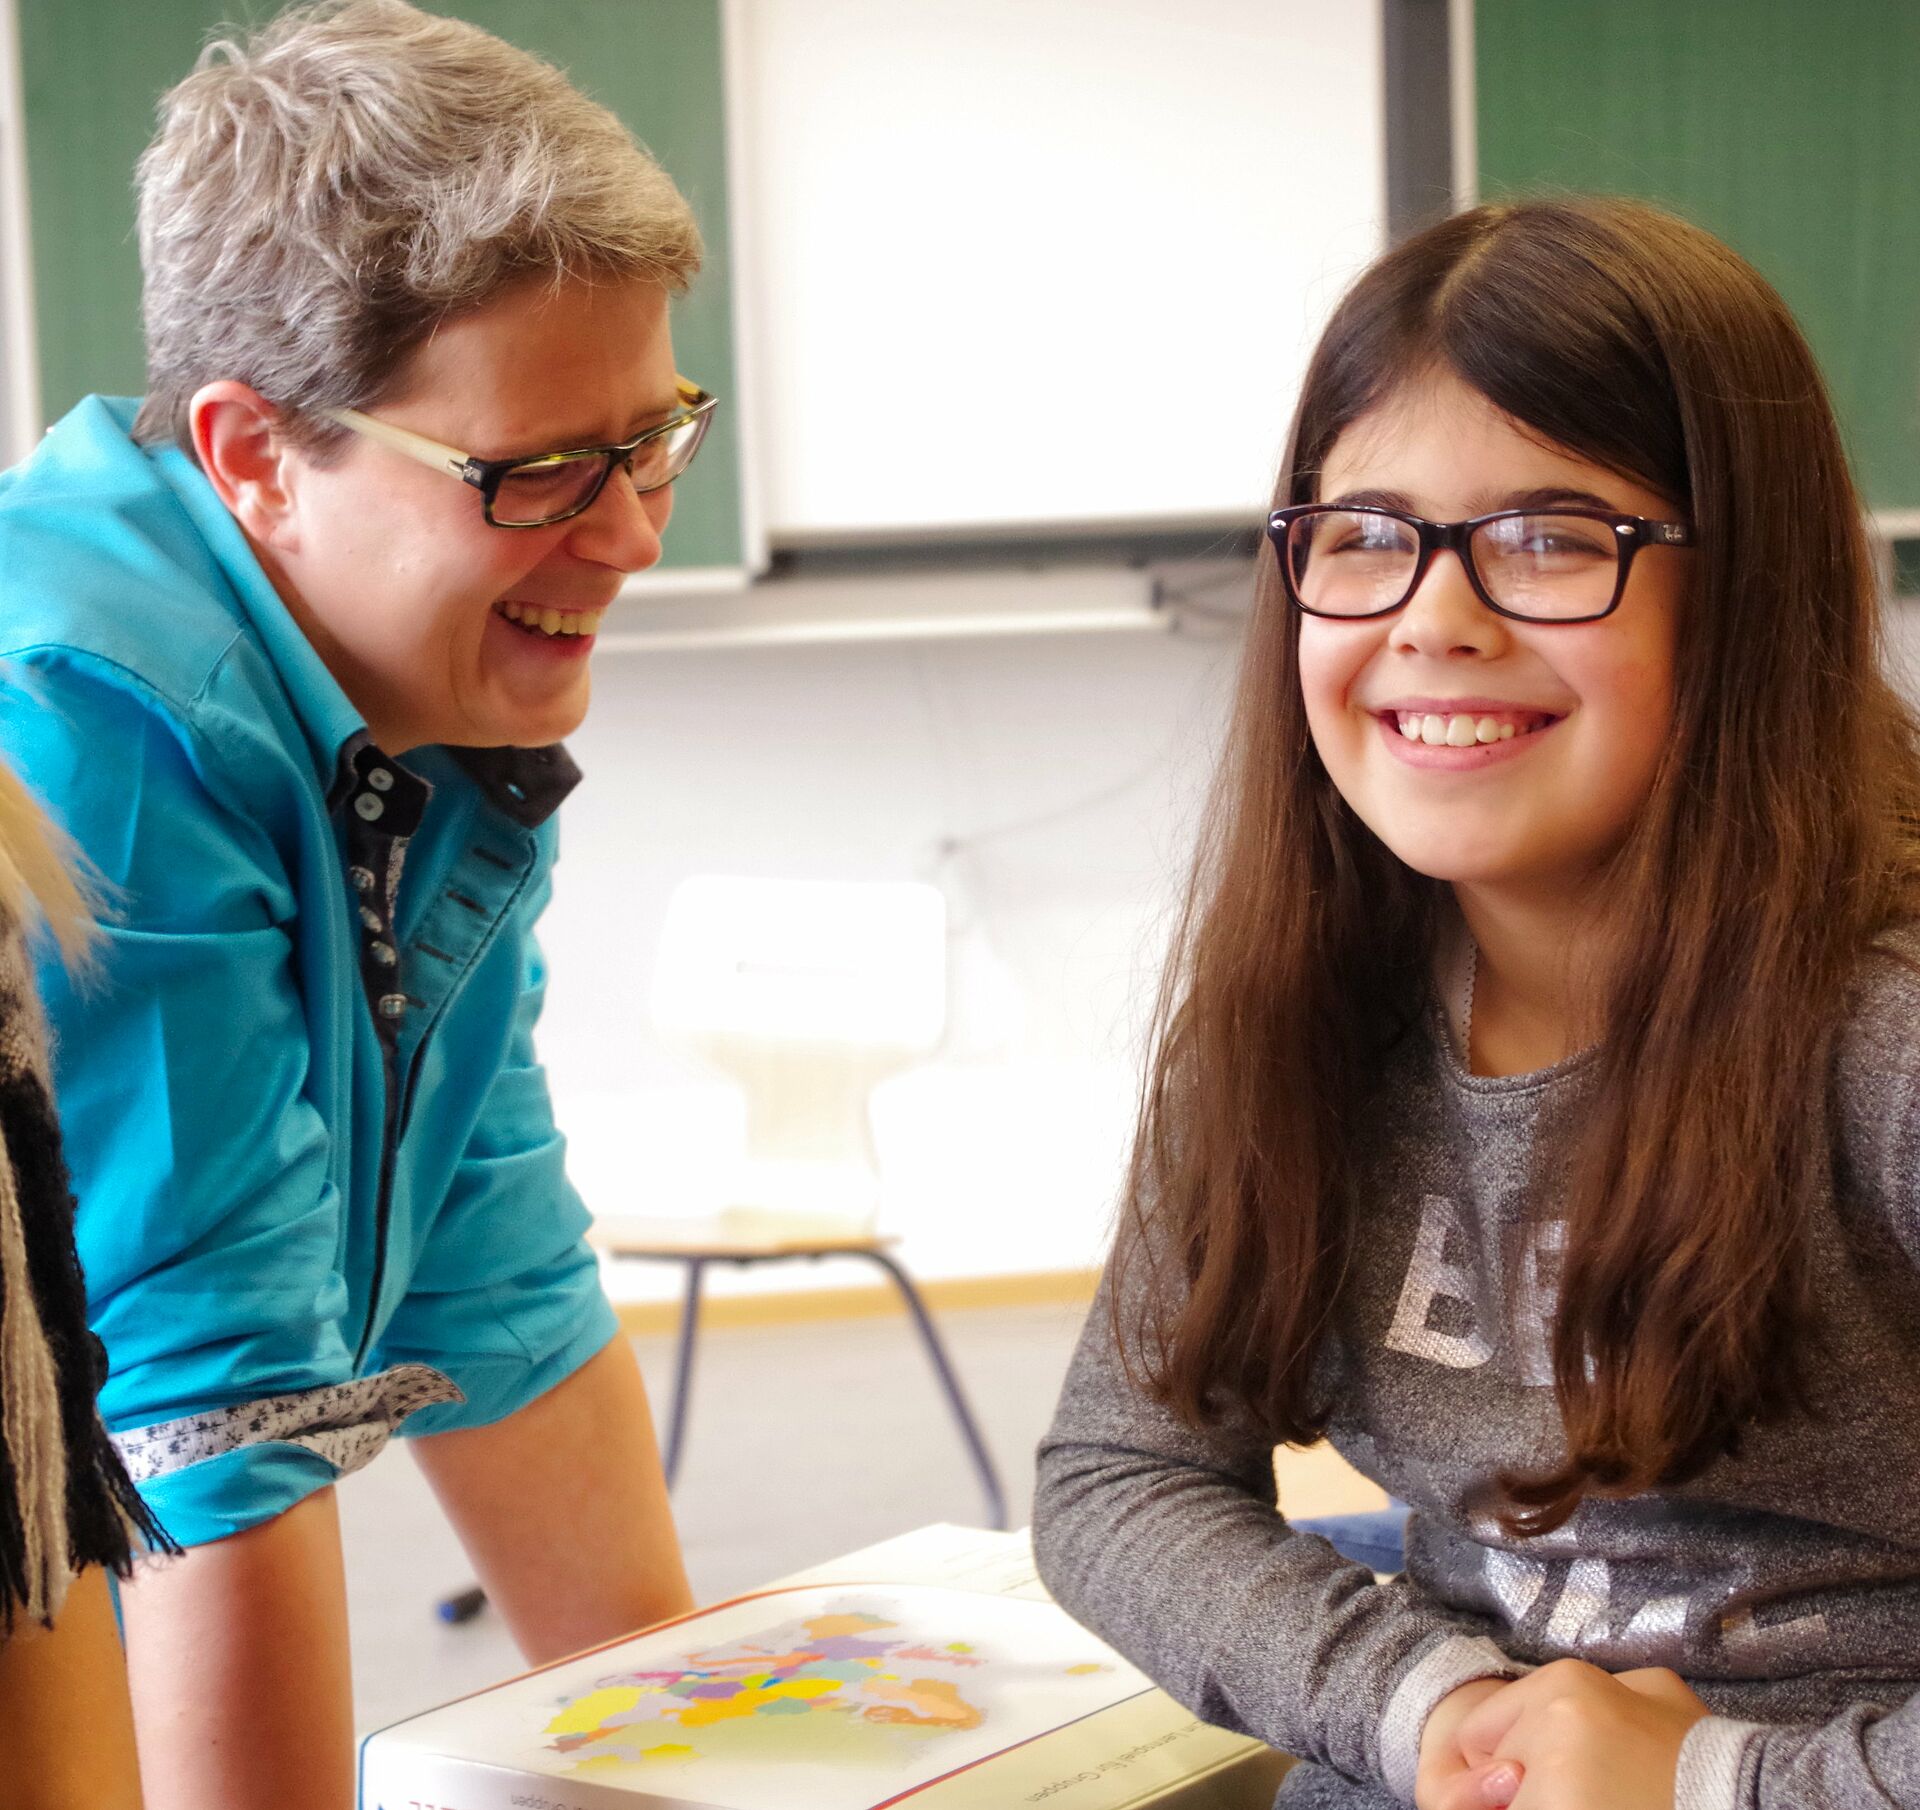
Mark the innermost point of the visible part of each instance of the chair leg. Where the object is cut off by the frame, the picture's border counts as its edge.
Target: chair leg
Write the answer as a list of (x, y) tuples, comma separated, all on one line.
[(683, 1367), (943, 1368)]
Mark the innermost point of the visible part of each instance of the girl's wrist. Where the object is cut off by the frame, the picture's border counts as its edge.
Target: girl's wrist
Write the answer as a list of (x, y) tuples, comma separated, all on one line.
[(1712, 1758), (1447, 1665)]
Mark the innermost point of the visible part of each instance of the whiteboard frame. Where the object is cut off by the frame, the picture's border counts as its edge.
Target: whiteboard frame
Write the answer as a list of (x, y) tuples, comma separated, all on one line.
[(1464, 93), (20, 423)]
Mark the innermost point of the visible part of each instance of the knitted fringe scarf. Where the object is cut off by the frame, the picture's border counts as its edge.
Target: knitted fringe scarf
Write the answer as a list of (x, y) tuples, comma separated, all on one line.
[(65, 1499)]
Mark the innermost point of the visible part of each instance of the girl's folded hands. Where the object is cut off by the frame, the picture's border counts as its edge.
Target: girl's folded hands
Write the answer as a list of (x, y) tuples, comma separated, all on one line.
[(1567, 1737)]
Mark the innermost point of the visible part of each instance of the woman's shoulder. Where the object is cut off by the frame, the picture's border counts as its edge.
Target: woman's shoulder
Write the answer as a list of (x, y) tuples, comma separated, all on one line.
[(101, 564)]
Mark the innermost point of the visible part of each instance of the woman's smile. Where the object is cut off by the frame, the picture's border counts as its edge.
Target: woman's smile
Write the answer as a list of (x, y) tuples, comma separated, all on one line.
[(546, 622)]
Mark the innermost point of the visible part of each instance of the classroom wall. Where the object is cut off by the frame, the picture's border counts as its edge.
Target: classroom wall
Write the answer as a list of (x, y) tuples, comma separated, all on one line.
[(1001, 263), (1067, 771)]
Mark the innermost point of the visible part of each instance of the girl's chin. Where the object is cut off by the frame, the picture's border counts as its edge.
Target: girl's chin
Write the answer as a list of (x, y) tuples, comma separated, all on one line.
[(1446, 863)]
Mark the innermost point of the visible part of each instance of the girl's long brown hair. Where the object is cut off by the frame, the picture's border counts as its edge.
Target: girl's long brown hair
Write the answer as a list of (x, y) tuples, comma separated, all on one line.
[(1782, 834)]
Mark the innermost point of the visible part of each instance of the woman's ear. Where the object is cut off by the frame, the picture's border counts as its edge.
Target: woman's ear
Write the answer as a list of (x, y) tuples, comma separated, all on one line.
[(238, 439)]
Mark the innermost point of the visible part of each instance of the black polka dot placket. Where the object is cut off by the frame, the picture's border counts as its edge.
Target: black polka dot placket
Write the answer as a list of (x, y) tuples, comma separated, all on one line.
[(384, 805)]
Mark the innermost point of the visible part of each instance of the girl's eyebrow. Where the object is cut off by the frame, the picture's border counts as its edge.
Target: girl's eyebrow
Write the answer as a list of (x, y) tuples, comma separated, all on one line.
[(1556, 496), (1552, 496), (1372, 499)]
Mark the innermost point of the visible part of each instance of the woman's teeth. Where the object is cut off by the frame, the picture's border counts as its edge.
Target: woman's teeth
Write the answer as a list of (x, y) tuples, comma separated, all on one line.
[(552, 622), (1457, 731)]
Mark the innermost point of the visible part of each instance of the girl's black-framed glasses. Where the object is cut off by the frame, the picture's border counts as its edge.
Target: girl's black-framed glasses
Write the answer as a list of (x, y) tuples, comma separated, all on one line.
[(544, 488), (1533, 565)]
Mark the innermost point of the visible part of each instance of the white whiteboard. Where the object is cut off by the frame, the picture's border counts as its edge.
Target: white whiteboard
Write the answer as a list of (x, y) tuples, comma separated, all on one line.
[(1041, 262)]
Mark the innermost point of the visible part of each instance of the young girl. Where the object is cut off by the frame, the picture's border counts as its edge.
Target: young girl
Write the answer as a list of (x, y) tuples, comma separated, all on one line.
[(1533, 1110)]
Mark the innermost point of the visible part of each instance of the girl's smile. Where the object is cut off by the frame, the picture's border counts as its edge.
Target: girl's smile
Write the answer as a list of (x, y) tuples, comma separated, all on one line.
[(1483, 750), (1455, 734)]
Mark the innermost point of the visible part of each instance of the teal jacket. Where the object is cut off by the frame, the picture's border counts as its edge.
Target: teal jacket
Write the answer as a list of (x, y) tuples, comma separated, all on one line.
[(320, 1190)]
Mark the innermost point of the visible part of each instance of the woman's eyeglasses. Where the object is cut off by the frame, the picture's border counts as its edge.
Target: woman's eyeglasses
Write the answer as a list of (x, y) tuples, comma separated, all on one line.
[(537, 491), (1555, 565)]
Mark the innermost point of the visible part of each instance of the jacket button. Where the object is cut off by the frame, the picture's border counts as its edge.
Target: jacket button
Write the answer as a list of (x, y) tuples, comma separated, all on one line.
[(383, 954), (380, 779), (367, 806), (392, 1004), (362, 878)]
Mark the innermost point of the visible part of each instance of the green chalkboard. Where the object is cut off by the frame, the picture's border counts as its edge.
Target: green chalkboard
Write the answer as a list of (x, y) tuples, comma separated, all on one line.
[(1790, 129), (93, 69)]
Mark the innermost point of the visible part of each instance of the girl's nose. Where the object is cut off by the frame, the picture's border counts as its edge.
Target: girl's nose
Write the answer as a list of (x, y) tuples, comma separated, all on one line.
[(1445, 615)]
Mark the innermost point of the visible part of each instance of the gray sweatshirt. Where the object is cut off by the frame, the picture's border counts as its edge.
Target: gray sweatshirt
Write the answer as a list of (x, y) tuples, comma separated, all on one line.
[(1783, 1583)]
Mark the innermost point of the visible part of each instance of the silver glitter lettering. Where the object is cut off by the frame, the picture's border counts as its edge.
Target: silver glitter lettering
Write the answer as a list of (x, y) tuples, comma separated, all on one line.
[(1431, 1278), (1516, 1582), (1656, 1635), (1536, 1300), (1767, 1645), (1581, 1613)]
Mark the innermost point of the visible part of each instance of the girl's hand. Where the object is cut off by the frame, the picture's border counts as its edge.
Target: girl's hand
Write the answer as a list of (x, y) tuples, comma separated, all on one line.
[(1445, 1780), (1572, 1737)]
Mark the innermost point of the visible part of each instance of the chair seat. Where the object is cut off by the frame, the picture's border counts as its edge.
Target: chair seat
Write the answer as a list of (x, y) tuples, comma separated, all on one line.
[(746, 1235), (740, 1235)]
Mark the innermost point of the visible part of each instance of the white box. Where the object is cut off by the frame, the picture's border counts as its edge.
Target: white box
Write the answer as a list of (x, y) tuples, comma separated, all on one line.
[(843, 1689)]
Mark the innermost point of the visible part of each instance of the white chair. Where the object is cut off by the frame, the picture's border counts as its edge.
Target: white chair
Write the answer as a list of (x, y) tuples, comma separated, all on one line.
[(806, 994)]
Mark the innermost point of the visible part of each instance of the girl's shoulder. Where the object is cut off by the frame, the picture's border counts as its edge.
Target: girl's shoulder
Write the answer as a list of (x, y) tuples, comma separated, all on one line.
[(1880, 1032), (1875, 1100)]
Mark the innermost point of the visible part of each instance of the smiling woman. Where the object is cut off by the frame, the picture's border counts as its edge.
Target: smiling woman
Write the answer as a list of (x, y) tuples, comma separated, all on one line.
[(272, 660), (451, 644)]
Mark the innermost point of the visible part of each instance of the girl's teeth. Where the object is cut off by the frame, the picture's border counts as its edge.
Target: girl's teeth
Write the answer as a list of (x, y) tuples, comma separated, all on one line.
[(1454, 731)]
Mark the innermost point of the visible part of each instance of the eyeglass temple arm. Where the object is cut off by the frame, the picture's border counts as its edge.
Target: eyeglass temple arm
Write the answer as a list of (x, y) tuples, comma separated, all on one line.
[(405, 440), (449, 458)]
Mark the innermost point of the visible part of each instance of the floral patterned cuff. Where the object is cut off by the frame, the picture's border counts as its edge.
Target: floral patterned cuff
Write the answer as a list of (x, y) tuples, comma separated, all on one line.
[(344, 1423)]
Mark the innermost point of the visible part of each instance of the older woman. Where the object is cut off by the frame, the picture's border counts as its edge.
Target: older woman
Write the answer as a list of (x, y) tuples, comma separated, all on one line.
[(301, 635)]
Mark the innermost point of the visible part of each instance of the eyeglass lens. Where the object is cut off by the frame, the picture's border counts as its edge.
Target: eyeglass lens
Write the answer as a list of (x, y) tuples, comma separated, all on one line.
[(1352, 563), (545, 490)]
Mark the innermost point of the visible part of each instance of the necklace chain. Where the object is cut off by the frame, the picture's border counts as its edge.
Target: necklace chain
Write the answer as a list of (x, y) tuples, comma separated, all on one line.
[(1466, 1005)]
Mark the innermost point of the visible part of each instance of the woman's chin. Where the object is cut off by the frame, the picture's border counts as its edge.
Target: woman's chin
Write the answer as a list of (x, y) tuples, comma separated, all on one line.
[(536, 707)]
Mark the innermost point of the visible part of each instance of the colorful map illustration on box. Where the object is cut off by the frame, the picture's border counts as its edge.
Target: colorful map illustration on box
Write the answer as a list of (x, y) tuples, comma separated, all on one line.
[(816, 1698)]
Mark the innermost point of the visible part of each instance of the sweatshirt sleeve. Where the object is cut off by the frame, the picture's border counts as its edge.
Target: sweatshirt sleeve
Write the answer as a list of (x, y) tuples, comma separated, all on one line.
[(1168, 1544), (1864, 1759)]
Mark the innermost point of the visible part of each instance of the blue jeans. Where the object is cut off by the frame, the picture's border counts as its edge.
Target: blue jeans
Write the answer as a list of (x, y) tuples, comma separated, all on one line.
[(1376, 1540)]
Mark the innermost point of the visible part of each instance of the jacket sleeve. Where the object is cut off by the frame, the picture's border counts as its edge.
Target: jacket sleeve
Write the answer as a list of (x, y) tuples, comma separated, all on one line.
[(506, 1297), (208, 1224), (1168, 1544), (1863, 1759)]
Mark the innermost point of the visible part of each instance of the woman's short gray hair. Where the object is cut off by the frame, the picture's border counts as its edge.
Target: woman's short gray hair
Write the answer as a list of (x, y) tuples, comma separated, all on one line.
[(321, 195)]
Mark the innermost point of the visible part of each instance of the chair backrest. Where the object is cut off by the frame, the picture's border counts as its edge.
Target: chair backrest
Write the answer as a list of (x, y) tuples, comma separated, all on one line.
[(807, 994)]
